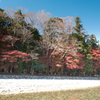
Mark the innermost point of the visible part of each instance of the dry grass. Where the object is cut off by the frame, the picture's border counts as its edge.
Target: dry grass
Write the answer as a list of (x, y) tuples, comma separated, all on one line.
[(81, 94)]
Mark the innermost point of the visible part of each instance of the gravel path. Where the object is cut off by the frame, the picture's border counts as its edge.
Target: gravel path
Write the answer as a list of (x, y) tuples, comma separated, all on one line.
[(14, 84)]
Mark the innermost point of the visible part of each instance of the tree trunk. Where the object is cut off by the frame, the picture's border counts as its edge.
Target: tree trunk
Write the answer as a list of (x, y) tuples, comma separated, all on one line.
[(32, 71), (10, 69), (5, 70)]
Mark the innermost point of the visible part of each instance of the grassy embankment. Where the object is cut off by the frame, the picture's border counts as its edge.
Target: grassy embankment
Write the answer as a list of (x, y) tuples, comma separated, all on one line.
[(81, 94)]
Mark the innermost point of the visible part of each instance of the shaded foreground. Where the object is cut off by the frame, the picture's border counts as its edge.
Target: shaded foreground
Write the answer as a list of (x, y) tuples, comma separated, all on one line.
[(81, 94), (24, 76)]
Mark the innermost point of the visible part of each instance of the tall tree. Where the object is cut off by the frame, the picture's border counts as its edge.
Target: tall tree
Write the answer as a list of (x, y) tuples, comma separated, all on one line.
[(8, 54), (78, 26), (92, 40), (56, 40)]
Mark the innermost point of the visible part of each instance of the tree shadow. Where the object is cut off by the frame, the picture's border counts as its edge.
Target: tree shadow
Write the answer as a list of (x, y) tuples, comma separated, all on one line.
[(48, 77)]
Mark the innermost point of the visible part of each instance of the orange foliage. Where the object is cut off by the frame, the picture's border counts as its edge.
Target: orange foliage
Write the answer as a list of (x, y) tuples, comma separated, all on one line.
[(96, 57), (9, 57), (56, 60)]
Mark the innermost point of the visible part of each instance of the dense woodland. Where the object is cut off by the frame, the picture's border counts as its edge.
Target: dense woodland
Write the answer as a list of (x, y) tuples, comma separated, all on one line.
[(35, 43)]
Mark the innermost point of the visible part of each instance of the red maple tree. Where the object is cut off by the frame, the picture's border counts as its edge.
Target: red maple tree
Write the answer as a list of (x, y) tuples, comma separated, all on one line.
[(8, 56), (70, 60), (95, 52)]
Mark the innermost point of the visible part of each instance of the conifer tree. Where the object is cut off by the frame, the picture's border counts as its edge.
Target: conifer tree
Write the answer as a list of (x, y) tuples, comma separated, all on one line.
[(78, 26)]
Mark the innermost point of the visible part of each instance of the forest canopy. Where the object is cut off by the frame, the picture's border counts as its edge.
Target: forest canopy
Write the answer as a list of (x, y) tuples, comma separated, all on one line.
[(36, 43)]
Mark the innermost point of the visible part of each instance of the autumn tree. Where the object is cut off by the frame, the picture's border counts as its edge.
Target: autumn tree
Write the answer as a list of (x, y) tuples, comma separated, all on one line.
[(9, 55), (9, 58), (56, 40), (52, 30), (34, 40), (95, 53)]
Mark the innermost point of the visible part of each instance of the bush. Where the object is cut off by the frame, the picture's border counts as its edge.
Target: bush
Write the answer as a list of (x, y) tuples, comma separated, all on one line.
[(38, 67)]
